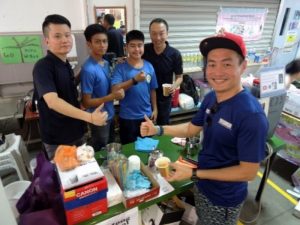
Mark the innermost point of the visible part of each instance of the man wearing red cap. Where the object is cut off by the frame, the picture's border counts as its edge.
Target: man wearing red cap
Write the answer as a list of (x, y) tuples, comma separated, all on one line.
[(235, 131)]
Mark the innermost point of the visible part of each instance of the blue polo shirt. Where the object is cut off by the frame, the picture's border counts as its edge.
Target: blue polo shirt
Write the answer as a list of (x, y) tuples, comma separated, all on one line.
[(51, 74), (166, 64), (137, 100), (236, 130), (95, 80)]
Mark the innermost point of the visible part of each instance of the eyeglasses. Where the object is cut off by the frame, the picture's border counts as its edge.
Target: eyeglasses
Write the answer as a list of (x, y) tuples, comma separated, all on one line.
[(212, 110)]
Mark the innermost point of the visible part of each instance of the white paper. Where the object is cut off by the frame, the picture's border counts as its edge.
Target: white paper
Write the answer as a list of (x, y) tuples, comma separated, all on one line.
[(129, 217), (152, 215), (80, 175), (165, 186), (271, 82)]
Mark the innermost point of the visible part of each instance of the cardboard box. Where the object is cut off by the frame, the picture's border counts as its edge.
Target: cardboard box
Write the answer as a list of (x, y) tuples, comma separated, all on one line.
[(154, 191), (84, 192), (114, 194), (84, 202), (82, 174), (164, 213)]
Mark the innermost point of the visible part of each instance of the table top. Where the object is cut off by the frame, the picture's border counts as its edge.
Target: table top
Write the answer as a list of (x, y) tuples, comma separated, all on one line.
[(170, 150)]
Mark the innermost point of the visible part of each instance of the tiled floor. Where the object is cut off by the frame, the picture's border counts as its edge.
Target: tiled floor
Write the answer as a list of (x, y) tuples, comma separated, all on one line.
[(276, 209)]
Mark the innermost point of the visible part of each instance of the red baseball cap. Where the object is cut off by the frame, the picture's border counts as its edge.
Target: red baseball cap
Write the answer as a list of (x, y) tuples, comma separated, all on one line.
[(223, 40)]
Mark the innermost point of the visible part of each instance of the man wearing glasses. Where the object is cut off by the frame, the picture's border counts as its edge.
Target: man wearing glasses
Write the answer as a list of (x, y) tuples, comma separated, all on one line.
[(235, 131)]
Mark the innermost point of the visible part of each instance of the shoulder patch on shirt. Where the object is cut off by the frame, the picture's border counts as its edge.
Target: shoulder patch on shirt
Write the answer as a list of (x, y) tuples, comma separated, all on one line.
[(225, 123)]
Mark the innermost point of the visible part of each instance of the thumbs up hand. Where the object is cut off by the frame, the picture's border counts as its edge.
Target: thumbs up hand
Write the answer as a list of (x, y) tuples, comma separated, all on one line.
[(99, 117), (147, 127)]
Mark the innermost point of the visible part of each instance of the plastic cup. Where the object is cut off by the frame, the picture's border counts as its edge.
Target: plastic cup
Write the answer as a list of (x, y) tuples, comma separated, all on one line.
[(162, 164), (166, 88), (114, 147)]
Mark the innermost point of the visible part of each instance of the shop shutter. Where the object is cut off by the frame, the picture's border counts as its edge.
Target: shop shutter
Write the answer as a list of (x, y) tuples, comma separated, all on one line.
[(191, 21)]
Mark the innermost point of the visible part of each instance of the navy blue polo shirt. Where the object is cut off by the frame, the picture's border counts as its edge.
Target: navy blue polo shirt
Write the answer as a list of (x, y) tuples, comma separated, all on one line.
[(115, 42), (165, 65), (236, 131), (51, 74)]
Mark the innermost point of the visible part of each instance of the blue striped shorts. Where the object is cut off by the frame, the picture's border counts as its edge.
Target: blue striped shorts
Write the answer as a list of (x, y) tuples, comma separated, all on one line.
[(209, 214)]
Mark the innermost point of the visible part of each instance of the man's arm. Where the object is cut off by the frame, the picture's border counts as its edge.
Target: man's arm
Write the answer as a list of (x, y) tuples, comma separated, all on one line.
[(89, 102), (176, 84), (180, 130), (153, 104), (129, 83), (178, 80), (245, 171), (59, 105), (178, 70)]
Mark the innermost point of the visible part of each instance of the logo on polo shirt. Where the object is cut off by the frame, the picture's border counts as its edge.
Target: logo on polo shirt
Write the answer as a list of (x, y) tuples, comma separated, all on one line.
[(148, 77)]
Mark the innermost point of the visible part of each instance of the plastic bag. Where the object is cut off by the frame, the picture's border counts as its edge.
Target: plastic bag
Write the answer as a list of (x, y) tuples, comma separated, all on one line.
[(186, 102), (42, 197)]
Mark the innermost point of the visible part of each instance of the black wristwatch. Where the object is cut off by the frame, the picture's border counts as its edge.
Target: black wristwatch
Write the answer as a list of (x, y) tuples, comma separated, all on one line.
[(194, 175), (134, 81)]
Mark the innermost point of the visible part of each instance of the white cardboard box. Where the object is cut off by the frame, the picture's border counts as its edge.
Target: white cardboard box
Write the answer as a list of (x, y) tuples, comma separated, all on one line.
[(82, 174), (114, 194), (152, 215), (155, 215)]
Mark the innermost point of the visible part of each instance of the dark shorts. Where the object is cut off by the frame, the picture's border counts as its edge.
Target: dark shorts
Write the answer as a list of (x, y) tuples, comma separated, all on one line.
[(101, 135), (129, 130)]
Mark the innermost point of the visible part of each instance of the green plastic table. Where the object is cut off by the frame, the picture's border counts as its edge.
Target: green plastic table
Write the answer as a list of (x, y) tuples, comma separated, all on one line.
[(173, 152), (170, 150)]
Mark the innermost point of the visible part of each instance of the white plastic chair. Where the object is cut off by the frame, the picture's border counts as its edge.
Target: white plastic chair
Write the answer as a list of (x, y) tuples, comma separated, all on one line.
[(14, 155)]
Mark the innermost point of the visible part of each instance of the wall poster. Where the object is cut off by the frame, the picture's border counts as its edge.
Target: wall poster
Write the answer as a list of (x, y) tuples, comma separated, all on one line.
[(16, 49), (292, 33), (247, 22)]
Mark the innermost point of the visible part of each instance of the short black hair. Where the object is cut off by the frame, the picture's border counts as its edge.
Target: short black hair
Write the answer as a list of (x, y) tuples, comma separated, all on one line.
[(110, 19), (159, 20), (54, 19), (135, 35), (99, 18), (93, 29), (293, 67)]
